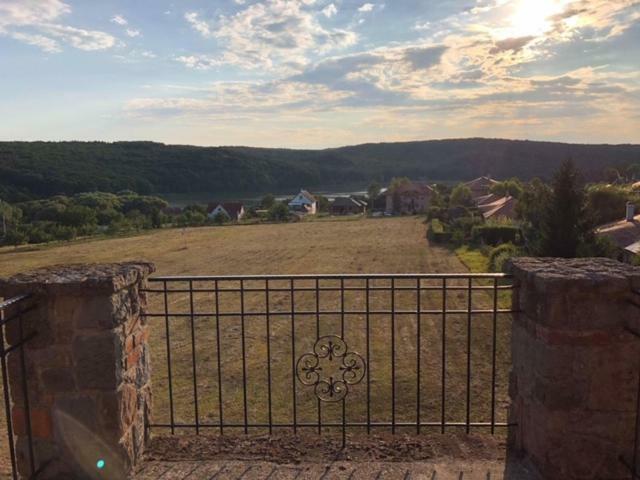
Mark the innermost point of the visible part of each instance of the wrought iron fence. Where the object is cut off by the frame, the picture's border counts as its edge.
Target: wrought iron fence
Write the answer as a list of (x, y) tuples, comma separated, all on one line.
[(11, 318), (331, 352)]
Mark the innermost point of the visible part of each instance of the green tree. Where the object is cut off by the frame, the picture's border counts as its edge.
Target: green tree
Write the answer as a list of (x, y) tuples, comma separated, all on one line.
[(512, 187), (15, 237), (607, 203), (461, 196), (565, 224), (267, 201), (279, 212), (323, 204), (221, 218), (373, 191)]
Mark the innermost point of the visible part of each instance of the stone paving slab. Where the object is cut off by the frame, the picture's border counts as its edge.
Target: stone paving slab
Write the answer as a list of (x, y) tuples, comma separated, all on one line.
[(256, 470)]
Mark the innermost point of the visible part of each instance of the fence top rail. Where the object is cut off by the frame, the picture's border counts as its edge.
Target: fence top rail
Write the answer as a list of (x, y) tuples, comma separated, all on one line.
[(12, 301), (356, 276)]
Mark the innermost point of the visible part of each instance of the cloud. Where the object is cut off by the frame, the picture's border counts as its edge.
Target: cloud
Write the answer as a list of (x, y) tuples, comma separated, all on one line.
[(270, 34), (330, 10), (46, 44), (123, 22), (119, 19), (422, 58), (37, 23), (512, 44), (367, 7), (198, 25)]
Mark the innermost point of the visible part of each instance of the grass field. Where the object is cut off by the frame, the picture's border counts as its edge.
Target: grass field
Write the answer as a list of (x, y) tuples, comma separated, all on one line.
[(386, 245)]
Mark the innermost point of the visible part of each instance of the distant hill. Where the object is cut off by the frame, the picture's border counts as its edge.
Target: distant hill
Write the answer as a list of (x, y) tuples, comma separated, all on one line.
[(40, 169)]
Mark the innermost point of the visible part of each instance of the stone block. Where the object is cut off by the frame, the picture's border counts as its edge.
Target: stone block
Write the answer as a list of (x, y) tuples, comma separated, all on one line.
[(58, 380), (41, 423), (96, 361), (575, 370)]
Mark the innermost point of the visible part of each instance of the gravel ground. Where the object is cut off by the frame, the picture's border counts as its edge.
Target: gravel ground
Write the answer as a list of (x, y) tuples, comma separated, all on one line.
[(378, 457)]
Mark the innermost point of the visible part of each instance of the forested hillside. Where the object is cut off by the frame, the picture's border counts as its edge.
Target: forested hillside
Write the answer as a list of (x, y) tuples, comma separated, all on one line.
[(41, 169)]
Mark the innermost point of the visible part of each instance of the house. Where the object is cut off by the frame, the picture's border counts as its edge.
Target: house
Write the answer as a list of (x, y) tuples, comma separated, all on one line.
[(625, 235), (409, 198), (486, 199), (502, 208), (233, 210), (481, 186), (347, 206), (304, 203)]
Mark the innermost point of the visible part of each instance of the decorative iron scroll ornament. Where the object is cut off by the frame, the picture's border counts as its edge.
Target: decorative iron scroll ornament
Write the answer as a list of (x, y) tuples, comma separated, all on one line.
[(331, 368)]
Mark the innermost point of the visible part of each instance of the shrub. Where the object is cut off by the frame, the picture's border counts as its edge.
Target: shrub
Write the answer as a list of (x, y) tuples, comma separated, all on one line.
[(496, 234), (436, 232), (462, 228), (279, 212), (500, 254)]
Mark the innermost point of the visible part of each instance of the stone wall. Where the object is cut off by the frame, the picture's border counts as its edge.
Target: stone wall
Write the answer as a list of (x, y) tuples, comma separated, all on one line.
[(575, 366), (88, 369)]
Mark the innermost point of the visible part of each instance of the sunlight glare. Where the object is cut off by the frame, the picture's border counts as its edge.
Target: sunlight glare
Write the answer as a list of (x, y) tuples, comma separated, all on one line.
[(532, 17)]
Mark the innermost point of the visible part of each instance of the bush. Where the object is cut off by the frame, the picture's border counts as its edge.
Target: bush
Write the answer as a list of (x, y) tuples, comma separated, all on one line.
[(436, 232), (438, 213), (279, 212), (462, 228), (500, 254), (496, 234)]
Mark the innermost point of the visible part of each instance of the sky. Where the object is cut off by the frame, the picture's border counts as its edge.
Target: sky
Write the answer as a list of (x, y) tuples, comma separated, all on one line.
[(319, 73)]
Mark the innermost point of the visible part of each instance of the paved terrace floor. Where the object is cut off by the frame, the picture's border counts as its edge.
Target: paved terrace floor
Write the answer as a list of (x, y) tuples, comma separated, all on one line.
[(375, 458)]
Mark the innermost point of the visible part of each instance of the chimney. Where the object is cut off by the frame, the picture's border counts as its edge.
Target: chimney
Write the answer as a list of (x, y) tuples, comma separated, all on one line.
[(631, 212)]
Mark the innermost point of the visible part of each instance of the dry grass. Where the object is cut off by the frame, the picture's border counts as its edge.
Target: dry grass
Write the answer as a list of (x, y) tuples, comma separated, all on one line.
[(387, 245)]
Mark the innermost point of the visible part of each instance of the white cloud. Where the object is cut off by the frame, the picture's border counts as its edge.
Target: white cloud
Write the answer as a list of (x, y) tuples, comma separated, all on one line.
[(198, 25), (46, 44), (367, 7), (132, 32), (270, 34), (119, 19), (36, 22), (199, 62), (79, 38), (330, 10)]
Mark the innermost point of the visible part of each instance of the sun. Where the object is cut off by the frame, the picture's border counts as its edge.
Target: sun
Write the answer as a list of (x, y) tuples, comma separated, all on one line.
[(531, 18)]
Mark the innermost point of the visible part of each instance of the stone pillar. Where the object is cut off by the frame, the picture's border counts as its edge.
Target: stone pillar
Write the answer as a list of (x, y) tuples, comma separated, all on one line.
[(88, 369), (575, 366)]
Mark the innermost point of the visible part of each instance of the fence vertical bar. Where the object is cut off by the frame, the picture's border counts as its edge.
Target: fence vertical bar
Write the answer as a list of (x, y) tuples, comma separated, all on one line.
[(443, 393), (193, 359), (168, 339), (344, 400), (493, 355), (244, 359), (25, 391), (368, 334), (469, 304), (393, 355), (342, 308), (293, 356), (317, 338), (344, 422), (418, 348), (269, 399), (7, 404), (218, 355)]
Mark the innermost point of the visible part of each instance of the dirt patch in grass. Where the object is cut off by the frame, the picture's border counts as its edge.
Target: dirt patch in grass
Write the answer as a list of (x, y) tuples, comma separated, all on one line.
[(289, 449)]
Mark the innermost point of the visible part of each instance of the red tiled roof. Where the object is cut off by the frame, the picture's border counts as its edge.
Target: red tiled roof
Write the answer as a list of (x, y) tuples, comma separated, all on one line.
[(623, 233)]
